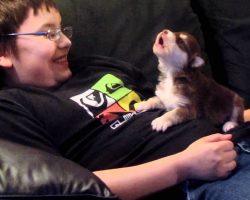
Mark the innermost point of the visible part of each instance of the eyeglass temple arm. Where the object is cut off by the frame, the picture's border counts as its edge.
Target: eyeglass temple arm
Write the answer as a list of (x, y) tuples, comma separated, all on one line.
[(36, 33)]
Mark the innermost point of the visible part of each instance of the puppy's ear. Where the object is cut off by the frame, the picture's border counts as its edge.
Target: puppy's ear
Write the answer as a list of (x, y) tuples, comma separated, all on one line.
[(197, 61)]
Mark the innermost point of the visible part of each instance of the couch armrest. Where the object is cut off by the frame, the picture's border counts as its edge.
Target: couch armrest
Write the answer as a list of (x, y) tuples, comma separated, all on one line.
[(30, 173)]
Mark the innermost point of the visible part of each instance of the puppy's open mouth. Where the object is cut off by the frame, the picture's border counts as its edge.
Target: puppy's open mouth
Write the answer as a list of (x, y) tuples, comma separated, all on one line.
[(161, 42)]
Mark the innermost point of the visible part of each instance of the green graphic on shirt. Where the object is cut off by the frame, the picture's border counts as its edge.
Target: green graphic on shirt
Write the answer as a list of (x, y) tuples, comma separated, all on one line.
[(112, 87), (108, 100)]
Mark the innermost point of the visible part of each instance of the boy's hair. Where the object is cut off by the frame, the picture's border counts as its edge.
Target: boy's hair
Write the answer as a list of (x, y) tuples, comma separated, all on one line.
[(12, 14)]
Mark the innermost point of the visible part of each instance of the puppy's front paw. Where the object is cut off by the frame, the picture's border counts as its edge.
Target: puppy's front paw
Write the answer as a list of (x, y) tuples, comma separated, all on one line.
[(142, 106), (229, 125), (160, 124)]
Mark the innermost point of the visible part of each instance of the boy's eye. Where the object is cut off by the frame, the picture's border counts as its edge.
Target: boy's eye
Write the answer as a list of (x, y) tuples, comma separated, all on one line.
[(54, 34)]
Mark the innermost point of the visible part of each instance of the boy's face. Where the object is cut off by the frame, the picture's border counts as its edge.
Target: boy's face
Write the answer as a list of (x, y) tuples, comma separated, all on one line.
[(40, 61)]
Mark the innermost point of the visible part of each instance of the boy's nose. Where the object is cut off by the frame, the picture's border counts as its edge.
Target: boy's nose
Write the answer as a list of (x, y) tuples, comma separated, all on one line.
[(64, 42)]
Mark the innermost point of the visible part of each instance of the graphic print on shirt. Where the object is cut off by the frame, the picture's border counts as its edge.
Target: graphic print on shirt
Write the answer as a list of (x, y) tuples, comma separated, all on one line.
[(109, 100)]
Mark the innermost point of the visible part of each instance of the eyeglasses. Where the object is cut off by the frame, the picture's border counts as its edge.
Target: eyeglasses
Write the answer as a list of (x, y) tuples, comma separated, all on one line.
[(52, 34)]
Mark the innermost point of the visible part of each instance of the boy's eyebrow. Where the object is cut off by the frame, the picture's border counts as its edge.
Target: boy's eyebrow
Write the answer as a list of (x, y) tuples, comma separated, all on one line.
[(49, 25)]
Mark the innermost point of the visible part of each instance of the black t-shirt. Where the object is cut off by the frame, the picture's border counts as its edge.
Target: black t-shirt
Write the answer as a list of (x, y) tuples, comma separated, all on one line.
[(90, 118)]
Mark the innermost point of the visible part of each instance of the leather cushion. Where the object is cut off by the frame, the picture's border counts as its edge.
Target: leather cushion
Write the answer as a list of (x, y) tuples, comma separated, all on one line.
[(29, 173)]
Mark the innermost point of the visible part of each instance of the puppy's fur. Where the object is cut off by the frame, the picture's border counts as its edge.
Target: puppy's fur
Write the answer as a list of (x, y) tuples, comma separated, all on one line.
[(184, 91)]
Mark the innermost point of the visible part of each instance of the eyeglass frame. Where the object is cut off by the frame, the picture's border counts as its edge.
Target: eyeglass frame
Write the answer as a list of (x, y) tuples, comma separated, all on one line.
[(57, 31)]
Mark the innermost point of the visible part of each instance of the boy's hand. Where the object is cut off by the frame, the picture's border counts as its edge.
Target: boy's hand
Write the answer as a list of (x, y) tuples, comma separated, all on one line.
[(211, 157)]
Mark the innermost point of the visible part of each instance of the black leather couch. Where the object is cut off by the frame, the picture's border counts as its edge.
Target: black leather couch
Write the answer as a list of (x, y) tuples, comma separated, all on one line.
[(126, 29)]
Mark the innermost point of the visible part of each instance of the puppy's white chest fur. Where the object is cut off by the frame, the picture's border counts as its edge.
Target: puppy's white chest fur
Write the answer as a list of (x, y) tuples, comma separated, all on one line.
[(166, 92)]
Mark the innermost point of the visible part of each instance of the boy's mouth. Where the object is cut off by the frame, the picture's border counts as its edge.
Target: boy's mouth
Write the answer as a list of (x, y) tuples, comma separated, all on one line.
[(61, 59)]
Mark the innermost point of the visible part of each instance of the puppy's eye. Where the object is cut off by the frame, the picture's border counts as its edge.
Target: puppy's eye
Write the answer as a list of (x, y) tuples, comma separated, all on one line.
[(180, 41), (182, 44)]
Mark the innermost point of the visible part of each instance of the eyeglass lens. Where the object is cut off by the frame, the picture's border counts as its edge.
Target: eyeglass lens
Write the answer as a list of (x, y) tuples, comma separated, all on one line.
[(56, 34), (67, 31)]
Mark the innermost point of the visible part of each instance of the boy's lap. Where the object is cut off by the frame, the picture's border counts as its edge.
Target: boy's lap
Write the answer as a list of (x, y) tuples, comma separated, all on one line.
[(234, 187)]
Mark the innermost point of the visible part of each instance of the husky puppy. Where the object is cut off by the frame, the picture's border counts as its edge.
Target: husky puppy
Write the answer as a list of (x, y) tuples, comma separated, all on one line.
[(184, 91)]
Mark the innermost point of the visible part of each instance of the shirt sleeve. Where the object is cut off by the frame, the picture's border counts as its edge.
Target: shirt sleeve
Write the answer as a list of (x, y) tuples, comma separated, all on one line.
[(21, 126)]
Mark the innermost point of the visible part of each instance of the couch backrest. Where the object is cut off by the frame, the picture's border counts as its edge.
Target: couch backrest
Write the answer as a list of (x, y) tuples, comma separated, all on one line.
[(226, 26), (126, 29)]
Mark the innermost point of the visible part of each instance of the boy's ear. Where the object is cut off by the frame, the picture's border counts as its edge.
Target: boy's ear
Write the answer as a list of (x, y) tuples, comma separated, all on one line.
[(5, 61), (197, 61)]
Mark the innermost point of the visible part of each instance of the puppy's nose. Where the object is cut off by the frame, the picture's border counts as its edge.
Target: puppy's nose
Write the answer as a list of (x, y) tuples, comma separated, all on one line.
[(165, 32)]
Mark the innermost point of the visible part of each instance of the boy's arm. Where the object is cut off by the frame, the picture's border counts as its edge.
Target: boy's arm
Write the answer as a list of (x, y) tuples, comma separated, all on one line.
[(208, 158)]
